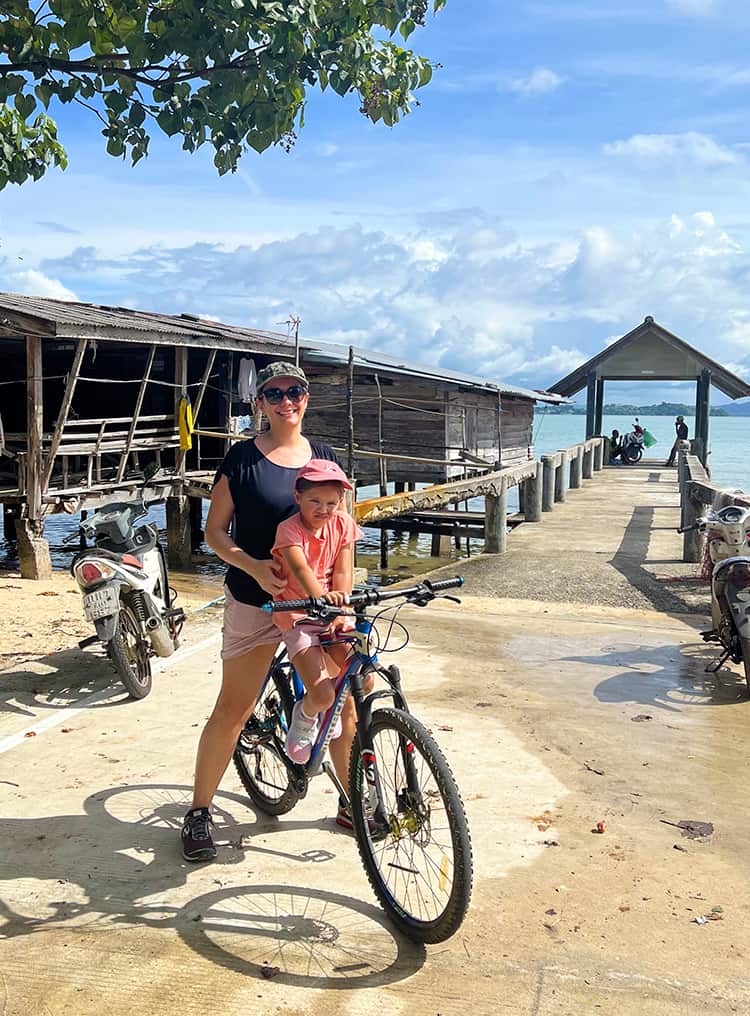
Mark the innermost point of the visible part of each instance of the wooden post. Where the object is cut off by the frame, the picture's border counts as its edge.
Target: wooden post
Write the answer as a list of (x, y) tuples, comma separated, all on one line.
[(561, 478), (588, 462), (576, 468), (136, 412), (196, 522), (180, 380), (499, 423), (591, 404), (548, 482), (33, 549), (179, 466), (441, 546), (350, 415), (178, 532), (62, 416), (599, 408), (496, 522), (705, 385), (532, 503), (599, 455)]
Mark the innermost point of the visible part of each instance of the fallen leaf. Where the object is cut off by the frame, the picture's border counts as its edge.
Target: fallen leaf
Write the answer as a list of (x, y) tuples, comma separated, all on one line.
[(48, 592), (67, 730), (623, 909), (551, 912), (641, 718), (269, 972), (30, 733), (444, 726)]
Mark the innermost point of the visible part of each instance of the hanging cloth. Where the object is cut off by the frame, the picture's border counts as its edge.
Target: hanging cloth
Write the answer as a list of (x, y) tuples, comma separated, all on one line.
[(185, 422), (246, 375)]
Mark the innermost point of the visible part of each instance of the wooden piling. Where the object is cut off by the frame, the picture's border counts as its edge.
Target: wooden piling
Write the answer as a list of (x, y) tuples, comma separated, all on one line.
[(441, 546), (533, 493), (10, 517), (588, 462), (561, 478), (576, 468), (548, 482), (599, 456), (179, 551), (692, 542), (196, 522), (496, 522)]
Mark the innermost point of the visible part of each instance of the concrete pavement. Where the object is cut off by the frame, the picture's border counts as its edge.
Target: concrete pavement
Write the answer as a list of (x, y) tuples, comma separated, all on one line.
[(537, 707)]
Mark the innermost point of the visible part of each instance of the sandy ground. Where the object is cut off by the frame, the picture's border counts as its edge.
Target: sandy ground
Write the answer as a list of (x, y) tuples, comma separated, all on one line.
[(555, 716)]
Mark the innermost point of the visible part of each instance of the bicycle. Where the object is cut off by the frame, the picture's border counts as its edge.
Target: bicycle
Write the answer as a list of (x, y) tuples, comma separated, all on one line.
[(407, 813)]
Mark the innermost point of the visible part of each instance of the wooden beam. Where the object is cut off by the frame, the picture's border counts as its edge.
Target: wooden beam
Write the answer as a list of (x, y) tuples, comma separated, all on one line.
[(489, 484), (62, 416), (180, 460), (34, 431), (350, 415), (136, 413)]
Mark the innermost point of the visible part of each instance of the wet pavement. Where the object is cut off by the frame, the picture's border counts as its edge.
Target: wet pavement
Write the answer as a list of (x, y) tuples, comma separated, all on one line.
[(555, 716)]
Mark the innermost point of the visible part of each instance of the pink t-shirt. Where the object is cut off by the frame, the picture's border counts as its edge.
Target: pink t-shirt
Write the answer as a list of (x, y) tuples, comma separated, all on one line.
[(320, 553)]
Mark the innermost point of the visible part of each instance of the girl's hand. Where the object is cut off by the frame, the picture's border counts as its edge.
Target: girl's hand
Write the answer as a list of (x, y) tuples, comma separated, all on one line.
[(336, 597), (266, 574), (339, 623)]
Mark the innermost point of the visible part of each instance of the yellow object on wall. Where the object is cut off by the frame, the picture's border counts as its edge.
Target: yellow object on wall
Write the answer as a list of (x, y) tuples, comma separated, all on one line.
[(185, 422)]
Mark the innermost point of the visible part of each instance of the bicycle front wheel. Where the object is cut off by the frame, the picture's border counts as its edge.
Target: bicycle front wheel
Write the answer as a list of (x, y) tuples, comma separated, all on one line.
[(421, 868)]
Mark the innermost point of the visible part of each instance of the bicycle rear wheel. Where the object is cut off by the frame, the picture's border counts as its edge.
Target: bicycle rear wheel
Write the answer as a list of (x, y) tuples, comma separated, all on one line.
[(259, 756), (421, 870)]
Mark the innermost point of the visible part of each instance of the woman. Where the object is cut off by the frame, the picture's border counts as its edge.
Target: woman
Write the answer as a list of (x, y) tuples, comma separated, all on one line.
[(253, 492)]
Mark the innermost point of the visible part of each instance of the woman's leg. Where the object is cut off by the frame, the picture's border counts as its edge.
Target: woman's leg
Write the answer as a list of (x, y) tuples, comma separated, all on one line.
[(241, 681)]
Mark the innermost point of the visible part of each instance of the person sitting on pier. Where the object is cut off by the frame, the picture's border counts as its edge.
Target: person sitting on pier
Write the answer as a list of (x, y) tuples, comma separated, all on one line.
[(615, 447), (314, 548), (681, 432)]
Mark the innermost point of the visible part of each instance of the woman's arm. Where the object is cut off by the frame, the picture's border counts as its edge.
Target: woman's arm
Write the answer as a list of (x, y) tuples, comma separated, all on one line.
[(218, 521)]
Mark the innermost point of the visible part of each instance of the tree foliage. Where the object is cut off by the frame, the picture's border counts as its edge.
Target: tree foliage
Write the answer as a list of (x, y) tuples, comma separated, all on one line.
[(230, 73)]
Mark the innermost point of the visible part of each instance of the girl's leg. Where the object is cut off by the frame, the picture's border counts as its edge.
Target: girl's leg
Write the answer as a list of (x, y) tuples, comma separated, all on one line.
[(241, 681), (311, 667)]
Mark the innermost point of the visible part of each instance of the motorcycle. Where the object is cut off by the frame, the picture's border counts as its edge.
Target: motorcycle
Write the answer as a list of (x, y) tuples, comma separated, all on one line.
[(633, 445), (728, 535), (125, 585)]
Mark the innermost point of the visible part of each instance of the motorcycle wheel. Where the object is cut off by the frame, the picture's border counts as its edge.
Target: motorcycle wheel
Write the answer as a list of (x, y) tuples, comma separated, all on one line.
[(633, 453), (128, 651)]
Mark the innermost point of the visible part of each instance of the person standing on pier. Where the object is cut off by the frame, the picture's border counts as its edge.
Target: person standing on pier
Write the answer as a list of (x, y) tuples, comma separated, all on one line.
[(681, 431), (253, 492)]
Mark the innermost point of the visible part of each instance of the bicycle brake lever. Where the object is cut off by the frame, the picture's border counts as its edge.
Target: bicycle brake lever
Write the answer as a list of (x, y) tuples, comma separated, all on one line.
[(453, 599)]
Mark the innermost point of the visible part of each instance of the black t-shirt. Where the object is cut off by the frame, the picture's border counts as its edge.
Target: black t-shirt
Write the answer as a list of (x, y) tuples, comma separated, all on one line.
[(263, 495), (682, 431)]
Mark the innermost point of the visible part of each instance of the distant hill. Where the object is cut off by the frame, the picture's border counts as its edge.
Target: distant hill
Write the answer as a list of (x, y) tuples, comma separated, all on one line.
[(738, 408), (662, 409)]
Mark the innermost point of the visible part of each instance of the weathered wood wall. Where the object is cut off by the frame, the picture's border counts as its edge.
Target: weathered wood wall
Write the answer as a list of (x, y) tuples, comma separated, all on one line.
[(516, 422)]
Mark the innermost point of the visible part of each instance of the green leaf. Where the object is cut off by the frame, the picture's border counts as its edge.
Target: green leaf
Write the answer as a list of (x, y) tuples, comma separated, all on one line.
[(406, 28), (137, 114), (25, 105)]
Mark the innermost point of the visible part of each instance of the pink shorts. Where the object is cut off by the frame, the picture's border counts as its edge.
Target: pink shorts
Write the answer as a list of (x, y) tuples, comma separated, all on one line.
[(246, 627)]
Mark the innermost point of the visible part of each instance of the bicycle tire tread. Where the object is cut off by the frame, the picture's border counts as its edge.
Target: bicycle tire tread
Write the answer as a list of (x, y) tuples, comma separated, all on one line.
[(446, 925)]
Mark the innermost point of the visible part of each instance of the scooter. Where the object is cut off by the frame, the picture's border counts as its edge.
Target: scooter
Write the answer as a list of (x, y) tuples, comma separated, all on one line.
[(728, 535), (126, 594), (633, 444)]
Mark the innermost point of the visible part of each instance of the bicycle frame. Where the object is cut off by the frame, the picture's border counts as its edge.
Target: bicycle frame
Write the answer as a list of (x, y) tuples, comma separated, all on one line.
[(351, 680)]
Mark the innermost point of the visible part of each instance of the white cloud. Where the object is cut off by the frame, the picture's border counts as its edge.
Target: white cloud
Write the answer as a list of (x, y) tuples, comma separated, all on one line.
[(326, 150), (31, 282), (540, 81), (691, 147), (469, 295)]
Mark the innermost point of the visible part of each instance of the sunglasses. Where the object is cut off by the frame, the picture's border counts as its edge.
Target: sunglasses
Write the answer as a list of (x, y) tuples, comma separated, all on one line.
[(276, 395)]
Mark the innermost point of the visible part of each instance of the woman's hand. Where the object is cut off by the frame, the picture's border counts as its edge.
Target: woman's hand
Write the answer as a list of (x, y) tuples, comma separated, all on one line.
[(268, 577)]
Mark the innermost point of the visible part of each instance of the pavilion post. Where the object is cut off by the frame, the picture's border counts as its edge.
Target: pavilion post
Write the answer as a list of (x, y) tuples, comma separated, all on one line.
[(599, 410), (591, 390)]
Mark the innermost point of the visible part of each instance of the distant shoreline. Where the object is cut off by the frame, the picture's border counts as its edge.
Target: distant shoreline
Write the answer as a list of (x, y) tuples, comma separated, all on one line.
[(663, 409)]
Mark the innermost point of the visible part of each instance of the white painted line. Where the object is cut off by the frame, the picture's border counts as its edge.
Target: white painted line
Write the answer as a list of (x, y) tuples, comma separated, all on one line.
[(99, 696)]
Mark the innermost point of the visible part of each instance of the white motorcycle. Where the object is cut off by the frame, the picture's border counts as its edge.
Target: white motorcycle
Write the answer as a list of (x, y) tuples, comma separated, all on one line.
[(728, 535), (125, 586)]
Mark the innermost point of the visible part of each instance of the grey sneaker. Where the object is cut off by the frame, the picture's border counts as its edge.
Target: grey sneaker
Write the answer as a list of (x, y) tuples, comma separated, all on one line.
[(197, 844), (301, 735)]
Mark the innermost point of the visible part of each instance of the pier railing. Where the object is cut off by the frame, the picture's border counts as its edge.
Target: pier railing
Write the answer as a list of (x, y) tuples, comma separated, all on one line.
[(540, 483), (697, 493)]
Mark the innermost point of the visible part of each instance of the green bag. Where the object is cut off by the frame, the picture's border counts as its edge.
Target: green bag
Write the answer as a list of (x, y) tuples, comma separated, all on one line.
[(649, 439)]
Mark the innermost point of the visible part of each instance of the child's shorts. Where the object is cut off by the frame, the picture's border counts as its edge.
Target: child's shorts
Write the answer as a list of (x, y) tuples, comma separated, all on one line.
[(302, 637)]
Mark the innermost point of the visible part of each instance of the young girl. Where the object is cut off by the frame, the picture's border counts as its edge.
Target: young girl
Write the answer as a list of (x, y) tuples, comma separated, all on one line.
[(314, 548)]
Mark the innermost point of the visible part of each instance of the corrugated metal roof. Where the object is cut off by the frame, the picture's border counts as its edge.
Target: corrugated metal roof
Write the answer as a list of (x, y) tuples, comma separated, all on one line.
[(62, 319)]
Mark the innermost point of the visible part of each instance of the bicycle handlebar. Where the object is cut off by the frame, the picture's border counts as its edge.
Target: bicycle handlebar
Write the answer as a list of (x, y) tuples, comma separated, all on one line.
[(424, 591)]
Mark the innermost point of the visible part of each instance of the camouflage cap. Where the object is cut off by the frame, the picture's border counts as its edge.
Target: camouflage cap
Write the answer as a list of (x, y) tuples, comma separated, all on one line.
[(280, 368)]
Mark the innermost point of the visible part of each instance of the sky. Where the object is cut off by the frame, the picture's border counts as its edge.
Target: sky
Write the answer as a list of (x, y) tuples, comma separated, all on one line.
[(572, 168)]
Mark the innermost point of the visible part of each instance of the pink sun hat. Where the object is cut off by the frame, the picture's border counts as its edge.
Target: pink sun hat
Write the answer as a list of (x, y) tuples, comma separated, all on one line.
[(323, 471)]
